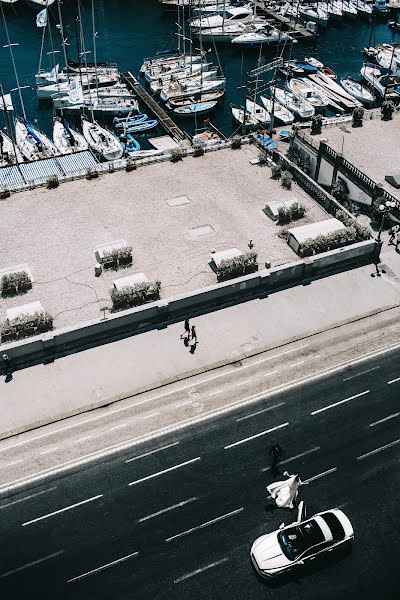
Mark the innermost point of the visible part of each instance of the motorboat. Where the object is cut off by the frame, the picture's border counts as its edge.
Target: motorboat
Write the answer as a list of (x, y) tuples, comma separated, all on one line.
[(248, 121), (303, 90), (383, 83), (132, 146), (194, 110), (187, 100), (169, 61), (300, 107), (363, 9), (390, 61), (348, 10), (177, 89), (259, 112), (67, 140), (206, 137), (359, 91), (228, 32), (269, 36), (281, 113), (333, 101), (32, 143), (234, 14), (39, 4), (314, 62), (88, 81), (158, 86), (395, 25), (123, 122), (336, 91), (139, 127), (107, 106), (103, 143), (10, 154), (335, 13)]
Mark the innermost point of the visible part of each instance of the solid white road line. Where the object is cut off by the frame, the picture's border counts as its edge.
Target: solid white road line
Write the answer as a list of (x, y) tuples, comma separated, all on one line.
[(362, 373), (385, 419), (393, 381), (215, 393), (28, 497), (259, 412), (183, 403), (188, 462), (108, 565), (283, 462), (31, 564), (151, 452), (84, 439), (118, 427), (203, 525), (61, 510), (164, 510), (378, 449), (257, 435), (310, 479), (210, 566), (320, 410), (245, 382)]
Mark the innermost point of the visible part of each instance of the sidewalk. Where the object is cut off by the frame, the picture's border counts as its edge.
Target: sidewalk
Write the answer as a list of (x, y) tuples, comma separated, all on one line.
[(47, 393)]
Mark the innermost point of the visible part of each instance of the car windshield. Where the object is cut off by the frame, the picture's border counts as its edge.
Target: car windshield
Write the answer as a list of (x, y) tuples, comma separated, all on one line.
[(295, 540)]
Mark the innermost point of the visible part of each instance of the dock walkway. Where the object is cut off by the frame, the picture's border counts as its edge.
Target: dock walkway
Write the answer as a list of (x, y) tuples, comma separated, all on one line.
[(163, 118), (286, 23)]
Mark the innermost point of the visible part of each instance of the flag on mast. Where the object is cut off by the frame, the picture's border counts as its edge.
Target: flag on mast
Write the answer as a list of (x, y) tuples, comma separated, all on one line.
[(6, 102), (41, 18)]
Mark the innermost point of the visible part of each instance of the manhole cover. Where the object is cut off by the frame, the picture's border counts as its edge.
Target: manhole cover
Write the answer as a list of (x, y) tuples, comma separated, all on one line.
[(203, 230), (178, 201)]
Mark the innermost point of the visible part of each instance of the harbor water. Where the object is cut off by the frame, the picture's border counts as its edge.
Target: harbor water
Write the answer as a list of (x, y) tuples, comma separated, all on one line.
[(130, 30)]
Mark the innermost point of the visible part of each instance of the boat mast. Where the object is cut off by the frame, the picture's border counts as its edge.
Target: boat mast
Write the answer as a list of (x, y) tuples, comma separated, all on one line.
[(62, 34), (9, 45), (9, 127), (95, 52), (84, 55), (42, 43)]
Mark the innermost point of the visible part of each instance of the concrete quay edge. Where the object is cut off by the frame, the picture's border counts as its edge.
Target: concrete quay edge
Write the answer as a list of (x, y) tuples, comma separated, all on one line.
[(194, 372)]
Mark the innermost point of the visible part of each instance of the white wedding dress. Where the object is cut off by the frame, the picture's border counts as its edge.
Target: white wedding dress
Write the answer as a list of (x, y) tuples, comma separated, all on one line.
[(285, 492)]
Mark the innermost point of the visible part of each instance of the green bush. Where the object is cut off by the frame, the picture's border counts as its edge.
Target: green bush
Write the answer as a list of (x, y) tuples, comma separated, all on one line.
[(198, 150), (236, 142), (361, 231), (135, 295), (276, 171), (292, 213), (238, 266), (91, 173), (334, 240), (387, 109), (176, 154), (286, 179), (13, 283), (4, 192), (358, 115), (118, 257), (52, 182), (316, 124), (26, 325), (340, 190), (300, 158)]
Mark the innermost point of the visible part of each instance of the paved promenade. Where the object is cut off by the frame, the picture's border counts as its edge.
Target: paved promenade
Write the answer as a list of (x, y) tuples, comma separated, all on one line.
[(47, 393)]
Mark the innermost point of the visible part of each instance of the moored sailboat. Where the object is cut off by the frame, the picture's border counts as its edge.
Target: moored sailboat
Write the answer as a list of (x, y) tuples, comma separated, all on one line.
[(67, 140), (103, 143)]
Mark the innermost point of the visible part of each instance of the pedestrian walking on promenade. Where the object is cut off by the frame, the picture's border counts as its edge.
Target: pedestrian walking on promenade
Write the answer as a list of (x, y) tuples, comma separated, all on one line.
[(276, 453), (397, 239), (193, 339), (186, 333), (393, 233), (8, 367)]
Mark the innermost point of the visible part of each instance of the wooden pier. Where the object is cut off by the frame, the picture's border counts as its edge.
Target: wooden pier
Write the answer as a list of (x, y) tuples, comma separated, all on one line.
[(165, 120), (299, 33)]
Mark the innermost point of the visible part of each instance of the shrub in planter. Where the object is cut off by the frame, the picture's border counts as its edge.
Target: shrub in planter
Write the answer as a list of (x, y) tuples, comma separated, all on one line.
[(176, 154), (14, 283), (316, 124), (135, 295), (130, 165), (91, 173), (198, 150), (276, 171), (358, 115), (286, 179), (26, 326), (330, 241), (292, 213), (340, 190), (4, 192), (236, 142), (238, 266), (284, 215), (361, 232), (52, 182), (387, 110), (118, 257)]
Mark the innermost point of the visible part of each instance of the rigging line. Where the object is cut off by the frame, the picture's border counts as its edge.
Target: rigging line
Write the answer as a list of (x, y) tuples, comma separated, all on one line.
[(60, 17), (13, 61)]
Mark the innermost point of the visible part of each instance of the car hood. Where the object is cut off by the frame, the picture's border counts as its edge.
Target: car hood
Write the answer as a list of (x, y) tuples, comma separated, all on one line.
[(268, 553)]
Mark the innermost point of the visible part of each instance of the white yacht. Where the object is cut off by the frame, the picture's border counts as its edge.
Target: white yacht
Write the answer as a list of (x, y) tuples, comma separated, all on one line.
[(298, 106)]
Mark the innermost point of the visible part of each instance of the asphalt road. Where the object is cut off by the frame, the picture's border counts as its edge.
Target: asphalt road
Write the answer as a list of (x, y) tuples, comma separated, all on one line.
[(175, 518)]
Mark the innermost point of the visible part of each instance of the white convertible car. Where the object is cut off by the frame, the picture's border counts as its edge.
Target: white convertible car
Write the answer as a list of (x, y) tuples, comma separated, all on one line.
[(299, 543)]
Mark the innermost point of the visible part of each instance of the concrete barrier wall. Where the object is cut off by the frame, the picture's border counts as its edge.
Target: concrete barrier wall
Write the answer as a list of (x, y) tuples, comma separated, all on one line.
[(61, 341)]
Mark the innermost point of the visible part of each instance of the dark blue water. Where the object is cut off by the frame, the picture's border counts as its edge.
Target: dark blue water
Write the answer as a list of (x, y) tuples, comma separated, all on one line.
[(129, 30)]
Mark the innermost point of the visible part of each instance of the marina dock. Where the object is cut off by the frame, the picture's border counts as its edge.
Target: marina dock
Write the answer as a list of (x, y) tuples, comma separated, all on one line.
[(163, 118), (299, 33)]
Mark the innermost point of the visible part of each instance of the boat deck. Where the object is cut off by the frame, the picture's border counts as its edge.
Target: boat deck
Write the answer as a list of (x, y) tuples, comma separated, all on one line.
[(164, 119)]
